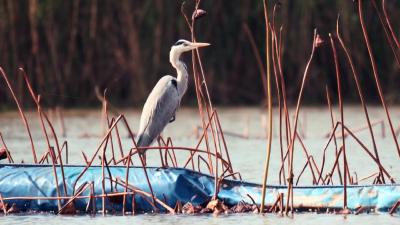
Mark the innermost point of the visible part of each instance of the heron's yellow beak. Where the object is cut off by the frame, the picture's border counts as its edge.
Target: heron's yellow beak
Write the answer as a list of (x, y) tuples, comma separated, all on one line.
[(199, 44)]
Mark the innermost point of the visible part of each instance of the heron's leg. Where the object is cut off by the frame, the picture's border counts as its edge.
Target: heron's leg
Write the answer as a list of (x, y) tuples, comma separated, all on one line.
[(143, 157), (172, 119)]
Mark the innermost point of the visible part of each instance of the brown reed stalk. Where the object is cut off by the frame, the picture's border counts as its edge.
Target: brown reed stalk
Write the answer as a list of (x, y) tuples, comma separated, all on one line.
[(178, 149), (224, 142), (375, 73), (44, 157), (85, 158), (283, 163), (206, 98), (394, 207), (141, 156), (369, 176), (325, 149), (81, 189), (93, 197), (170, 143), (59, 152), (291, 146), (21, 112), (163, 164), (41, 114), (10, 159), (256, 54), (90, 198), (283, 87), (198, 162), (274, 205), (137, 190), (103, 156), (370, 154), (362, 146), (338, 81), (334, 135), (302, 171), (109, 122), (89, 163), (52, 156), (205, 129), (119, 141), (278, 48), (64, 197), (365, 127), (3, 205), (328, 178), (390, 25), (167, 153), (307, 156), (197, 81), (209, 110), (268, 156), (306, 153), (64, 146), (126, 184), (274, 54), (359, 90), (388, 36)]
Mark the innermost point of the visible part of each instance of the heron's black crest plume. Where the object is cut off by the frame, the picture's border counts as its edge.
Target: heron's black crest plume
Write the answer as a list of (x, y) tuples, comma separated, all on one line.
[(180, 42)]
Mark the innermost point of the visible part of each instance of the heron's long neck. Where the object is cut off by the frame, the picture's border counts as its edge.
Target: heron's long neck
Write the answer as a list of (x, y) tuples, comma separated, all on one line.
[(182, 75)]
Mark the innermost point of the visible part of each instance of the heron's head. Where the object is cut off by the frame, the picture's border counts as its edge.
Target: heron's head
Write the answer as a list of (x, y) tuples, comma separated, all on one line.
[(182, 46)]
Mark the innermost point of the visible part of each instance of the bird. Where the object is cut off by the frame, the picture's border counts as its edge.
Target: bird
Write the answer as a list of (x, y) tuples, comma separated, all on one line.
[(163, 101)]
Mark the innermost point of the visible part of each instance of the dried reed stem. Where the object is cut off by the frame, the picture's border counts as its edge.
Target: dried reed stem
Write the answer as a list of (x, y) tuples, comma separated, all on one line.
[(375, 72), (3, 205), (388, 36), (390, 25), (275, 54), (197, 82), (359, 90), (149, 195), (10, 159), (338, 81), (291, 146), (334, 135), (266, 168), (41, 114), (256, 54), (22, 114)]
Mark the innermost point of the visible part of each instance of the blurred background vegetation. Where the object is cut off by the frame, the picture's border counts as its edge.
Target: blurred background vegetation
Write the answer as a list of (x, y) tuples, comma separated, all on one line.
[(71, 48)]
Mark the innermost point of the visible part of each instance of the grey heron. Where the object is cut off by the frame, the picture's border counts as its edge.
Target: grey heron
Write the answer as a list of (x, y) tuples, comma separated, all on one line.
[(163, 101)]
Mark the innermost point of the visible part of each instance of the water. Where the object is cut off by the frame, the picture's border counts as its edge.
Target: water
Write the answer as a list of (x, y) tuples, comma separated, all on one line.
[(255, 219), (84, 132)]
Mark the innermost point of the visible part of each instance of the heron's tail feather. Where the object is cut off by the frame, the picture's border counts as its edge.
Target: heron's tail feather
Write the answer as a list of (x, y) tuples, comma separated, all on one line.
[(139, 140), (143, 140)]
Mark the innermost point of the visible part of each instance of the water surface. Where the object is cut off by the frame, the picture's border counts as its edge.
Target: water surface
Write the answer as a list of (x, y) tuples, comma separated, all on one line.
[(84, 131)]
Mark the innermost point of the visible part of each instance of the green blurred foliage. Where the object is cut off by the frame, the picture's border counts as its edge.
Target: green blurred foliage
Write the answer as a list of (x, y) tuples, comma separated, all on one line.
[(70, 49)]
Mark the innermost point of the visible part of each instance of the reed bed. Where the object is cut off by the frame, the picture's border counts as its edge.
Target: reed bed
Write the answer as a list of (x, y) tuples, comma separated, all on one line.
[(211, 151)]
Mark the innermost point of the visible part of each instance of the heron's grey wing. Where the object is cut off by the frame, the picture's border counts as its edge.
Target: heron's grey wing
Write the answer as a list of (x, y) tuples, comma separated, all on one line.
[(159, 108), (164, 111)]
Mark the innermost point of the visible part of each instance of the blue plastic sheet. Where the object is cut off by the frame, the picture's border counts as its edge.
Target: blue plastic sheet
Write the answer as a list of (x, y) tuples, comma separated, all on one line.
[(170, 185)]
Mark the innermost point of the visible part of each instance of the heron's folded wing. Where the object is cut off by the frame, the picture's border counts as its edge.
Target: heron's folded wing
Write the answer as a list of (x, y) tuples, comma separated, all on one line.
[(164, 110)]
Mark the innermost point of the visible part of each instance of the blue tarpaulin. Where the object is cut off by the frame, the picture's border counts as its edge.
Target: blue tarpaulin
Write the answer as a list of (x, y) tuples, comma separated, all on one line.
[(17, 182)]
